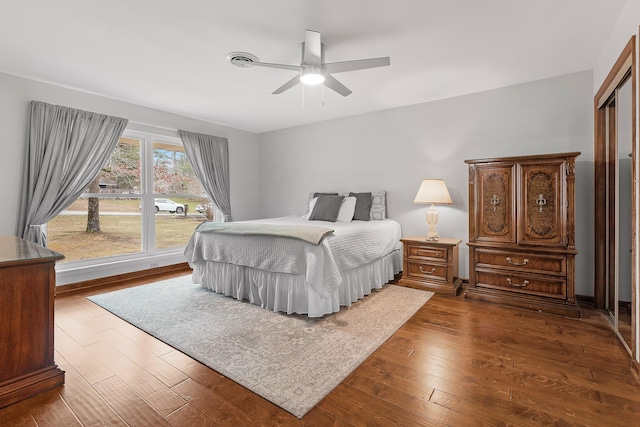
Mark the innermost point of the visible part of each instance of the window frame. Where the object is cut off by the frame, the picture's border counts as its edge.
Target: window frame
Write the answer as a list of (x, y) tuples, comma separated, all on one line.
[(148, 256)]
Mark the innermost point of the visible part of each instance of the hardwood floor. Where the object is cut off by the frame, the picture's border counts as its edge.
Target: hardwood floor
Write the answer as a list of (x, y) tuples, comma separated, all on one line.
[(456, 363)]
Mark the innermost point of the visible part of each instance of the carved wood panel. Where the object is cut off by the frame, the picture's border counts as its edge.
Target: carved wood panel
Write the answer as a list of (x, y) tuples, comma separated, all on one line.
[(542, 204), (496, 199)]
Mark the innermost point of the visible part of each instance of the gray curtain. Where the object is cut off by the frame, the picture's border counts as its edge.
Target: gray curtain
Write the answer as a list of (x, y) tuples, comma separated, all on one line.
[(209, 156), (66, 149)]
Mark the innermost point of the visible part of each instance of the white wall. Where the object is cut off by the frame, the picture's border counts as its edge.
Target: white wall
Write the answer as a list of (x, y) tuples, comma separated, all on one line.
[(18, 92), (395, 149)]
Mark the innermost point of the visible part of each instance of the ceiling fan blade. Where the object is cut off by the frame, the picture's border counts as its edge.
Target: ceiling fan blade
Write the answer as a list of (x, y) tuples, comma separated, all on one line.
[(335, 85), (269, 65), (359, 64), (312, 54), (288, 85)]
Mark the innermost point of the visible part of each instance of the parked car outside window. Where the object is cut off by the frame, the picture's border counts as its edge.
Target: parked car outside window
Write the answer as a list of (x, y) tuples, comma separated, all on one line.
[(169, 205)]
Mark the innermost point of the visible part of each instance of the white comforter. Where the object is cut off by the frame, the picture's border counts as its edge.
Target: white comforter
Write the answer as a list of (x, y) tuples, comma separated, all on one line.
[(351, 245)]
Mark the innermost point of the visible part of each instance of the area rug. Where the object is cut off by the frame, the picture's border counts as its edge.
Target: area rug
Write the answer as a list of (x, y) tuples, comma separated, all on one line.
[(291, 360)]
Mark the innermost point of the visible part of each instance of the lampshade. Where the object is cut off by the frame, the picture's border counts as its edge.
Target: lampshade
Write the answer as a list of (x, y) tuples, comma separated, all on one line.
[(433, 191), (311, 76)]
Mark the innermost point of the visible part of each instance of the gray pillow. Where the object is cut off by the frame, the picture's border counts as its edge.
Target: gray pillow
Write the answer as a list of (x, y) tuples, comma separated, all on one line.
[(324, 194), (311, 197), (326, 208), (363, 206)]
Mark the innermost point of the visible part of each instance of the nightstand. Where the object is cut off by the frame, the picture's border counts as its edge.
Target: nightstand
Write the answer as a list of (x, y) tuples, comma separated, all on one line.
[(432, 266)]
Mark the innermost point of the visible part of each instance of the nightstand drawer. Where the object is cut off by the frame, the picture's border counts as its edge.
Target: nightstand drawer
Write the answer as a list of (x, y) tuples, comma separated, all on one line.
[(431, 271), (521, 283), (522, 261), (426, 253)]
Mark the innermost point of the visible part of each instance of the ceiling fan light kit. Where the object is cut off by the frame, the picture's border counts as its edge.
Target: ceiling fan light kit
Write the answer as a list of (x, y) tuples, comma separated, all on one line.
[(312, 69), (311, 76)]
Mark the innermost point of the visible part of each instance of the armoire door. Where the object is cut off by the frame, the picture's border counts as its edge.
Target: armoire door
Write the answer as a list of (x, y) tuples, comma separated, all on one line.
[(496, 216), (541, 201)]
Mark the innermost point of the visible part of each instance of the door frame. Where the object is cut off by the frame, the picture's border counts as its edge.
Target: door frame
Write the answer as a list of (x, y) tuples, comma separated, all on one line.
[(605, 188)]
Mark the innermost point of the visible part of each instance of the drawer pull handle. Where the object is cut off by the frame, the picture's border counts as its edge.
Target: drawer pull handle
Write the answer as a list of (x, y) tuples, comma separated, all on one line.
[(524, 262), (517, 285), (433, 270), (495, 201), (541, 201)]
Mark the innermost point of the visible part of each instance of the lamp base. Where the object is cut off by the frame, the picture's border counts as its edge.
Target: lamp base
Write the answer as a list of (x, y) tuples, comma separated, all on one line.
[(430, 238), (432, 220)]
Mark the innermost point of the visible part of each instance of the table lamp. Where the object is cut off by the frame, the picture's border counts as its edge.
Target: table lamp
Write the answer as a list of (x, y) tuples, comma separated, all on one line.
[(432, 191)]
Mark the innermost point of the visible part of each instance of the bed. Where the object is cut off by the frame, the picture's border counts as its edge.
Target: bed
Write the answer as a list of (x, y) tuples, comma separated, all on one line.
[(292, 275)]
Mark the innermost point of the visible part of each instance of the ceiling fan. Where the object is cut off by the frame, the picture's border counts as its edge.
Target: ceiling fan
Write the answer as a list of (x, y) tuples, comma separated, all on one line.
[(312, 69)]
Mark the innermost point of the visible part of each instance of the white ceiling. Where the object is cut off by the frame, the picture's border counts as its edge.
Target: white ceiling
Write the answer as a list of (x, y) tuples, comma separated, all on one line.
[(170, 54)]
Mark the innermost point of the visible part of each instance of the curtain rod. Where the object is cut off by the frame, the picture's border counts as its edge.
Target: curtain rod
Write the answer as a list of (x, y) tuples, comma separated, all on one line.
[(153, 126)]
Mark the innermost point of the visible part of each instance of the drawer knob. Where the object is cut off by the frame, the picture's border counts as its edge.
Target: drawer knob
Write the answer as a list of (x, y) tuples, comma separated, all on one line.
[(517, 285), (433, 270), (524, 262)]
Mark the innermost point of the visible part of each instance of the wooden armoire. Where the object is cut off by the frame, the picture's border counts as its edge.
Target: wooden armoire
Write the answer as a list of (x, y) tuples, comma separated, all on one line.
[(522, 232)]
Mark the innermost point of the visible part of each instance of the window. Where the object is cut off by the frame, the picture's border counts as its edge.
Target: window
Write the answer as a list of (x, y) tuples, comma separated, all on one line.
[(145, 201)]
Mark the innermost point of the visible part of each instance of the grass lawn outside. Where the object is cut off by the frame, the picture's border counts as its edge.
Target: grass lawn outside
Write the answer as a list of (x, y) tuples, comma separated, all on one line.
[(121, 229)]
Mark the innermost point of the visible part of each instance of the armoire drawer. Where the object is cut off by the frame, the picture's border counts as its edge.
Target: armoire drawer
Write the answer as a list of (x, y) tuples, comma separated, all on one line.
[(522, 261), (522, 283)]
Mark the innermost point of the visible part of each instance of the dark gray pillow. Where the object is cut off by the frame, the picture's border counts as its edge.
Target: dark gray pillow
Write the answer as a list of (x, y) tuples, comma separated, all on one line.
[(326, 208), (324, 194), (363, 206)]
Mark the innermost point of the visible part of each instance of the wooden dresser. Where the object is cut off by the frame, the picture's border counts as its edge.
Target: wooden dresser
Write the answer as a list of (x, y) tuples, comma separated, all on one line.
[(430, 265), (522, 232), (27, 285)]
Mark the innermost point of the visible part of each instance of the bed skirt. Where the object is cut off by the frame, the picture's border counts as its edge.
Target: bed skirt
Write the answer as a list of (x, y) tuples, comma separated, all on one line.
[(289, 293)]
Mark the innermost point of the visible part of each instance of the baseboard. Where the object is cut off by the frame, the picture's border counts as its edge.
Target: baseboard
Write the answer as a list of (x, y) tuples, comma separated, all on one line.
[(30, 385), (586, 299), (111, 280)]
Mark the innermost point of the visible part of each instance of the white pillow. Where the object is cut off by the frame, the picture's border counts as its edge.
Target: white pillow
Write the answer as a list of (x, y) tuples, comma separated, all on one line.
[(312, 204), (347, 209)]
